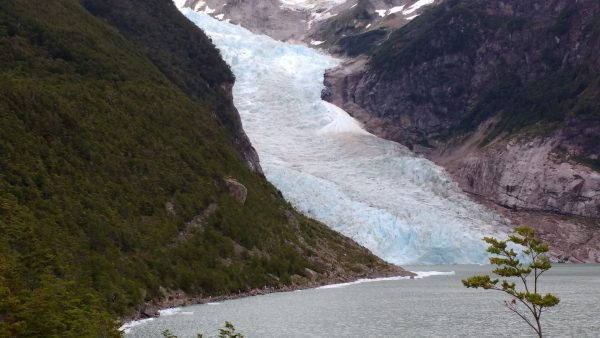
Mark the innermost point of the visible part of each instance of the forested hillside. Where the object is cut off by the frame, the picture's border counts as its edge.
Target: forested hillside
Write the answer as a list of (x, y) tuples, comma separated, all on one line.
[(121, 175)]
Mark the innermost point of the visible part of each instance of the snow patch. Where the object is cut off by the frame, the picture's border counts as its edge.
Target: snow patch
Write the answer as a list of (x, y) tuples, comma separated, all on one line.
[(316, 43), (199, 5), (417, 5), (179, 3), (316, 17), (209, 10), (395, 10)]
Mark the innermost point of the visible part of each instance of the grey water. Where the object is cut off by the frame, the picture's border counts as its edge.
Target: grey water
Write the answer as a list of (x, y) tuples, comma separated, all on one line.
[(436, 306)]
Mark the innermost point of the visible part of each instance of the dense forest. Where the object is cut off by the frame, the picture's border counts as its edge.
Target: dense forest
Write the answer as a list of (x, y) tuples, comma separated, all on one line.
[(117, 153)]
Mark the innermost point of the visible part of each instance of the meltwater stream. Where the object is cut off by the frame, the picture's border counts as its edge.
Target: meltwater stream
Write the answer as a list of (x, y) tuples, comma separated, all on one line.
[(402, 207)]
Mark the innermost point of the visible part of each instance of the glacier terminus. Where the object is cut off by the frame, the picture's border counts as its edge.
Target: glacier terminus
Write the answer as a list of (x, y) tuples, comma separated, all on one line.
[(402, 207)]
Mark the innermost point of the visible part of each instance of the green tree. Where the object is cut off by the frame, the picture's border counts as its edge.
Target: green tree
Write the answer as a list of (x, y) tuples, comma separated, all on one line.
[(527, 302), (227, 331)]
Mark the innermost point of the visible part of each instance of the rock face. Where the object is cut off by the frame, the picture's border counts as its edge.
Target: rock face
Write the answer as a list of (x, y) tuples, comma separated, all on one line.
[(503, 93), (237, 190), (525, 174), (268, 17), (573, 240), (344, 26)]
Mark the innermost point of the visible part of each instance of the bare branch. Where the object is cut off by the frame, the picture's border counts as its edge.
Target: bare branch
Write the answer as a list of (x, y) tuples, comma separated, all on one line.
[(522, 317)]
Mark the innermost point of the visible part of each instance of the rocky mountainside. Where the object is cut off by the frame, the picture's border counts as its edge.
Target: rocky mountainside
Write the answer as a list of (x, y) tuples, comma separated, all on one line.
[(342, 26), (504, 94), (125, 178)]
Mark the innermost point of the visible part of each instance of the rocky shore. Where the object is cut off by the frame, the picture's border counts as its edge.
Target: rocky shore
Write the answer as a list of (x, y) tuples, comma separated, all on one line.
[(178, 298)]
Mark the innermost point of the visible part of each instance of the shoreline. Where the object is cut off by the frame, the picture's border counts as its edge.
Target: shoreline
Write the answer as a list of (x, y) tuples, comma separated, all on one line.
[(178, 309), (177, 299)]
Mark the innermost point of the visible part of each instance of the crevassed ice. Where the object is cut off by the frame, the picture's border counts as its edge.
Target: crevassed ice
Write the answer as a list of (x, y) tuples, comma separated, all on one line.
[(402, 207)]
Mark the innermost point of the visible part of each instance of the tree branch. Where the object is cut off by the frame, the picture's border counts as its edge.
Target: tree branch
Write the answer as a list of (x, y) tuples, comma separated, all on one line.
[(522, 317)]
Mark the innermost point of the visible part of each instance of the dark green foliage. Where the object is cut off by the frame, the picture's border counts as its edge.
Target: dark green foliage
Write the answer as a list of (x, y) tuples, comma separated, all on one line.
[(592, 163), (350, 24), (227, 331), (429, 36), (508, 265), (95, 141), (551, 99), (357, 44), (182, 53), (539, 95)]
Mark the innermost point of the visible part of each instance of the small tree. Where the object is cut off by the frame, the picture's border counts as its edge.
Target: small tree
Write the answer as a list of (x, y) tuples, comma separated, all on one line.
[(527, 303), (228, 331)]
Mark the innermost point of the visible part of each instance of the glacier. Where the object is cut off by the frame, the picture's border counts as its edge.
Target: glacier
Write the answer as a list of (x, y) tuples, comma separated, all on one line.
[(402, 207)]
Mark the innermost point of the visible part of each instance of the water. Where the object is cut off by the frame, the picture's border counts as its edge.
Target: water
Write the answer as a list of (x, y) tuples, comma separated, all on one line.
[(402, 207), (436, 306)]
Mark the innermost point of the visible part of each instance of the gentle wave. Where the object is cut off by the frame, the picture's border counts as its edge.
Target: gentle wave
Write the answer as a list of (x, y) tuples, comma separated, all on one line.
[(423, 274), (420, 275), (126, 328), (169, 312)]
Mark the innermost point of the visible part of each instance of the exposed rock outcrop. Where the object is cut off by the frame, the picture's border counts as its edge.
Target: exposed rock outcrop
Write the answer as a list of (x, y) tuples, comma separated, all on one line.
[(573, 239), (502, 93), (237, 190), (526, 173), (344, 26)]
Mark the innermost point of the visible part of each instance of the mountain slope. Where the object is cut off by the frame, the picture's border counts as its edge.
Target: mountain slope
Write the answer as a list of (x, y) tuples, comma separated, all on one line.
[(504, 95), (178, 49), (118, 183), (342, 26)]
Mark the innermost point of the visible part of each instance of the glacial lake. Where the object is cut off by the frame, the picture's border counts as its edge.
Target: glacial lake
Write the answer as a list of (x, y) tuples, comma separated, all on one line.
[(434, 306)]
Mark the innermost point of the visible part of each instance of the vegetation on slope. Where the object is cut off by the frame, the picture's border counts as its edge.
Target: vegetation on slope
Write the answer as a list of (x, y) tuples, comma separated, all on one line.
[(106, 160), (345, 29), (535, 83), (182, 52)]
